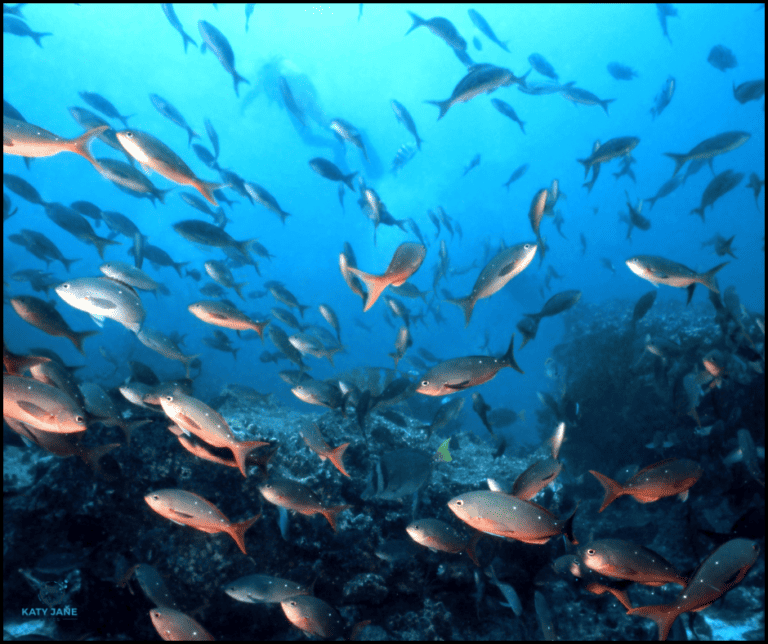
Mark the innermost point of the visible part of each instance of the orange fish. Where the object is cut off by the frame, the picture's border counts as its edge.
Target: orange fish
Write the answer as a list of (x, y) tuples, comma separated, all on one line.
[(719, 572), (507, 516), (41, 406), (405, 262), (624, 560), (665, 478), (175, 626), (314, 440), (45, 317), (461, 373), (438, 535), (195, 417), (225, 314), (27, 140), (196, 512), (295, 496), (313, 616)]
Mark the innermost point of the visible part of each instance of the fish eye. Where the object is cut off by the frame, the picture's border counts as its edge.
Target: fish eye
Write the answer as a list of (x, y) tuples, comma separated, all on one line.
[(128, 134), (65, 286), (79, 420), (527, 246), (169, 398), (459, 503), (591, 552), (424, 383)]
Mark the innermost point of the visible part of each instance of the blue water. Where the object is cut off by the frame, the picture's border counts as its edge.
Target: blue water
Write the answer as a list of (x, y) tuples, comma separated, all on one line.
[(125, 52)]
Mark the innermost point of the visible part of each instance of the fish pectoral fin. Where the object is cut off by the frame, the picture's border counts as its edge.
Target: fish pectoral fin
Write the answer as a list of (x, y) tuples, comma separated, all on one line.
[(98, 319), (102, 303), (458, 385), (33, 410), (505, 270), (188, 421)]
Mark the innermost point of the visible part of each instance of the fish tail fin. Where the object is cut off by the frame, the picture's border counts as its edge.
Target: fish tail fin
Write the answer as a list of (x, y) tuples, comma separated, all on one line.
[(699, 212), (206, 189), (663, 615), (395, 357), (347, 178), (443, 105), (417, 22), (178, 266), (302, 308), (238, 79), (192, 134), (708, 278), (585, 163), (472, 545), (79, 145), (332, 513), (160, 194), (239, 288), (419, 141), (467, 304), (568, 527), (124, 119), (503, 45), (679, 160), (101, 243), (691, 288), (652, 200), (78, 337), (522, 126), (91, 456), (509, 356), (234, 353), (604, 104), (337, 458), (241, 450), (187, 362), (68, 262), (245, 246), (374, 283), (522, 78), (237, 531), (260, 326), (185, 37), (37, 35), (613, 490)]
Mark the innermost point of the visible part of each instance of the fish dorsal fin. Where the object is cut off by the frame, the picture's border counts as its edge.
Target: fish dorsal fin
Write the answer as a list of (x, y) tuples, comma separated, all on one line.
[(654, 466)]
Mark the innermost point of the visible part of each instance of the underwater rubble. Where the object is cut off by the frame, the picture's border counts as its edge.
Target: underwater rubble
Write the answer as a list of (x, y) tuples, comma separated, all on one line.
[(620, 413)]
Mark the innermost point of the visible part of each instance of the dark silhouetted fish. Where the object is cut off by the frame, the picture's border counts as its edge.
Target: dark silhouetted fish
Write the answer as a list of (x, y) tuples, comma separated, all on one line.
[(482, 24), (219, 45), (176, 24)]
